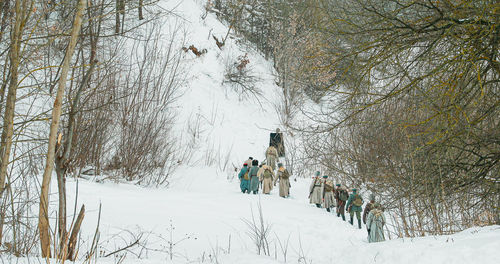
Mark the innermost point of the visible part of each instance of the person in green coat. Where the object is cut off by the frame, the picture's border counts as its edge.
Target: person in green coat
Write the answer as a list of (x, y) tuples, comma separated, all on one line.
[(375, 224), (355, 202), (254, 178), (244, 179)]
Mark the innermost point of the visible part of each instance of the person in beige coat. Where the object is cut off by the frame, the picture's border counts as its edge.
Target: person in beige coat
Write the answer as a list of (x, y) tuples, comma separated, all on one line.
[(284, 177), (272, 156), (266, 177), (327, 193), (315, 190)]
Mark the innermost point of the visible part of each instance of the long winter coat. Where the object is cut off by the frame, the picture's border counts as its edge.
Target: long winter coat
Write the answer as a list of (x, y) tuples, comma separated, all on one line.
[(284, 178), (272, 156), (350, 201), (367, 210), (315, 196), (244, 184), (254, 179), (266, 178), (375, 223), (328, 195)]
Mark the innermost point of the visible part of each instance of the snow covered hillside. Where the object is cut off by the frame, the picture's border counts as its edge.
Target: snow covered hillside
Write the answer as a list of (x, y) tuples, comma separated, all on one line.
[(202, 217)]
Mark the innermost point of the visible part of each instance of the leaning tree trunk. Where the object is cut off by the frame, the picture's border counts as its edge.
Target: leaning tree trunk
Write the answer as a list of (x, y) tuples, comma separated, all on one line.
[(43, 218), (8, 124)]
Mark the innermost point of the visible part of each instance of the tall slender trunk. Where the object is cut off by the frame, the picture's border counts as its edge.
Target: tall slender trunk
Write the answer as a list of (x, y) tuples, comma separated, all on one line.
[(8, 124), (43, 224), (117, 17), (141, 3)]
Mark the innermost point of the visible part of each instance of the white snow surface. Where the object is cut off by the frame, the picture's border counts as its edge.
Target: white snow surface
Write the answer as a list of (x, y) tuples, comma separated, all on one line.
[(203, 212)]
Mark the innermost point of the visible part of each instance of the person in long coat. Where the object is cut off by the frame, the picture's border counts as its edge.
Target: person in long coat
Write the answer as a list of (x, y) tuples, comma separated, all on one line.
[(327, 194), (284, 178), (244, 179), (368, 208), (341, 196), (266, 177), (375, 224), (254, 179), (315, 190), (272, 156), (354, 204)]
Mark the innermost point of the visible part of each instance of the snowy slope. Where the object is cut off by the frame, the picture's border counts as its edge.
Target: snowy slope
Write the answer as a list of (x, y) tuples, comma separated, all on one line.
[(203, 213), (207, 216), (229, 124)]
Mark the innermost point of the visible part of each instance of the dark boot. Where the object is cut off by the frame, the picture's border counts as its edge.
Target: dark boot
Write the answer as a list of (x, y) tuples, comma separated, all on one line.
[(328, 209), (343, 217), (350, 221), (338, 214), (359, 223)]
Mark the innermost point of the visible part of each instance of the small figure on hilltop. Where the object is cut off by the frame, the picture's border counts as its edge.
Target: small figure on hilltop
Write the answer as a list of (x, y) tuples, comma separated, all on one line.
[(271, 156), (315, 190), (244, 179), (375, 224), (368, 208), (284, 178), (354, 204), (254, 179), (266, 177), (341, 195), (327, 193)]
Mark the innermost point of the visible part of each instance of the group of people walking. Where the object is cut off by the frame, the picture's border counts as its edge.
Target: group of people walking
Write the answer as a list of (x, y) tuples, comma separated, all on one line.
[(265, 175), (323, 193)]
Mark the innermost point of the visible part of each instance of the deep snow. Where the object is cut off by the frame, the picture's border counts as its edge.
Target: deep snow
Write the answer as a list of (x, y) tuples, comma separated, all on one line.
[(203, 209)]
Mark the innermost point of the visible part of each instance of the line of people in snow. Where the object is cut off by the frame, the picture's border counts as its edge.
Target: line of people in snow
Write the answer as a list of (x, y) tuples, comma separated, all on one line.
[(322, 193), (263, 175)]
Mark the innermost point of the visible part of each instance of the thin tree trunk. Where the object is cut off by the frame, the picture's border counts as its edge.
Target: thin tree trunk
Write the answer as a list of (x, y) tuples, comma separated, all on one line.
[(74, 233), (8, 125), (43, 224), (117, 17), (141, 3)]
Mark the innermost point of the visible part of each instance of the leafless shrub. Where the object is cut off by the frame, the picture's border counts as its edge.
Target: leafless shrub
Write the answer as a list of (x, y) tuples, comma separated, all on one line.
[(145, 143), (259, 231), (240, 77)]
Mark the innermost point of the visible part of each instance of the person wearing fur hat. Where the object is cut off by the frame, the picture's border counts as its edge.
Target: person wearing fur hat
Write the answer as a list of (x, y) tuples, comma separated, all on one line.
[(354, 204), (254, 179), (284, 178), (327, 193), (341, 195), (375, 224), (244, 179), (315, 190), (266, 177)]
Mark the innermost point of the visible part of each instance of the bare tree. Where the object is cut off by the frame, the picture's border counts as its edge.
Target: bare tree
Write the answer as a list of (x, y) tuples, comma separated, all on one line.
[(56, 114)]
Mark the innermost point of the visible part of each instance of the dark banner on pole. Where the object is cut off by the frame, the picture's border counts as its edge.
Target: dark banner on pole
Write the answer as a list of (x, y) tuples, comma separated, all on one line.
[(276, 140)]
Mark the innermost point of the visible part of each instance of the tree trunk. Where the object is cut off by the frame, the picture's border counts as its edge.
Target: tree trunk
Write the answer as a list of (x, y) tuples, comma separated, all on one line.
[(141, 3), (43, 224), (74, 234), (8, 124), (117, 17)]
